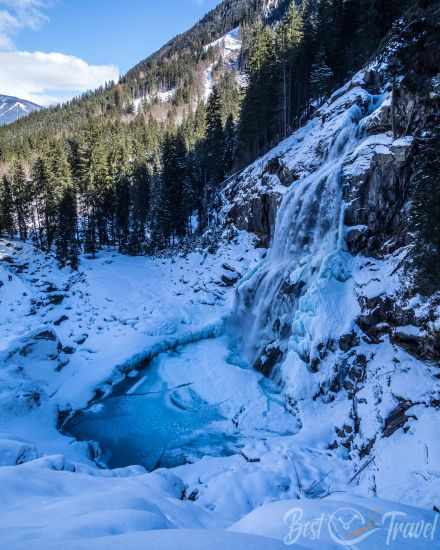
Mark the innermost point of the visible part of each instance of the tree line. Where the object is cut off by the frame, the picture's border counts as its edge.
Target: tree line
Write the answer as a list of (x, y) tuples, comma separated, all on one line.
[(139, 188)]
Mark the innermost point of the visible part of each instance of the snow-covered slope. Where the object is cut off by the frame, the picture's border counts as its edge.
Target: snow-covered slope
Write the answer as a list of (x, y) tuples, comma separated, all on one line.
[(228, 45), (12, 109), (226, 51)]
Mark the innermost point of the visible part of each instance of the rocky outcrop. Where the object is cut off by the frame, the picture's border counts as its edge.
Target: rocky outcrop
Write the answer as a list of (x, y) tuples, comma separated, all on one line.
[(15, 451), (257, 217), (376, 180), (252, 202)]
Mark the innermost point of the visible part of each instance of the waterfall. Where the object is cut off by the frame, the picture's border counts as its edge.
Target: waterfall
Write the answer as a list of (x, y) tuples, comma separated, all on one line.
[(296, 300)]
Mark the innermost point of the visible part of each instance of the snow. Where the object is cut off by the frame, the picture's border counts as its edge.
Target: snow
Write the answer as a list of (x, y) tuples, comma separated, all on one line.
[(308, 255), (125, 309), (209, 82), (229, 49), (229, 43), (162, 96), (197, 401), (12, 108), (170, 539)]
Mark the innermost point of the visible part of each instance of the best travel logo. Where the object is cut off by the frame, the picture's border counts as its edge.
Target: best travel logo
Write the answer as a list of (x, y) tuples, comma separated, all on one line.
[(349, 527)]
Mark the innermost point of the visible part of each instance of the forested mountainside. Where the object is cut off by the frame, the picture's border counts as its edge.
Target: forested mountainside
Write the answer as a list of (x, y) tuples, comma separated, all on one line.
[(13, 108), (176, 69), (97, 174)]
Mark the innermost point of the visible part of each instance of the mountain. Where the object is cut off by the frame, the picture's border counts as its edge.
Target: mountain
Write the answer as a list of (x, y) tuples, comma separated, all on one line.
[(165, 85), (13, 109)]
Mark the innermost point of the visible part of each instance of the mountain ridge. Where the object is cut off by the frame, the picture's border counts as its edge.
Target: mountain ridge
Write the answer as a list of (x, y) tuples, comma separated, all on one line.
[(175, 66), (14, 108)]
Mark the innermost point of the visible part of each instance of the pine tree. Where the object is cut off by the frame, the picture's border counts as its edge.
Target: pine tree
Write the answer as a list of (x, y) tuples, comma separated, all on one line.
[(140, 200), (214, 141), (46, 200), (66, 228), (320, 77), (22, 193), (92, 159), (67, 249), (7, 224), (289, 37), (259, 120), (173, 213), (229, 145), (123, 211)]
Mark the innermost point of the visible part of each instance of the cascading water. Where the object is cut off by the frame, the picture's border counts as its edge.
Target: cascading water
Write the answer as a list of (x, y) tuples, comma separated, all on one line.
[(295, 302)]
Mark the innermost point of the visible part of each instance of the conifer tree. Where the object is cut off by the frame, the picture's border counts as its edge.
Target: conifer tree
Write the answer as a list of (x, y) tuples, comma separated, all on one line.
[(121, 180), (259, 120), (140, 200), (46, 201), (7, 224), (229, 145), (67, 248), (173, 213), (22, 193), (214, 141), (289, 39), (321, 77)]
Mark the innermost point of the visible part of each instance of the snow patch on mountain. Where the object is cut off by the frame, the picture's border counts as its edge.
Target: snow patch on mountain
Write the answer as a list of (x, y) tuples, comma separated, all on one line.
[(230, 44), (228, 48), (13, 108), (161, 96)]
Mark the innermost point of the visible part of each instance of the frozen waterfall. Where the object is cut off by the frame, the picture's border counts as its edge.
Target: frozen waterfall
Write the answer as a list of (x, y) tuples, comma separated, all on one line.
[(296, 301)]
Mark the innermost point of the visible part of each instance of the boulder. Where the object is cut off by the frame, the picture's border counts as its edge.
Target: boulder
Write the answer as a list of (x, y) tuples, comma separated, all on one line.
[(230, 278), (15, 451)]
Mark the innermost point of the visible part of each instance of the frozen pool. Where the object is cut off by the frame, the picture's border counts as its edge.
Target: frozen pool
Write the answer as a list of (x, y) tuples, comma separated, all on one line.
[(194, 402)]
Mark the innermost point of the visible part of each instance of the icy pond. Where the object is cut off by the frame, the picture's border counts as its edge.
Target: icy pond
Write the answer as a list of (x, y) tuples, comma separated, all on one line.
[(194, 402)]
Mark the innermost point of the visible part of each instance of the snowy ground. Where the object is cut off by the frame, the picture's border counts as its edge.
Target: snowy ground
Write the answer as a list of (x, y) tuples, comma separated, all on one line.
[(124, 305)]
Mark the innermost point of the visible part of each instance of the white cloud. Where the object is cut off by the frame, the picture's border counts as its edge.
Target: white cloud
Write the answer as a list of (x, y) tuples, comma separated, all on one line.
[(16, 15), (44, 78), (47, 78)]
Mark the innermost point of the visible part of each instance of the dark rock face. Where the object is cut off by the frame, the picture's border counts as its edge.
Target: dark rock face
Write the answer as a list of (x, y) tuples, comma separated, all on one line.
[(397, 418), (61, 320), (56, 299), (258, 216), (357, 239), (348, 341), (379, 194), (266, 362), (45, 335), (377, 199), (253, 198), (276, 167), (424, 346)]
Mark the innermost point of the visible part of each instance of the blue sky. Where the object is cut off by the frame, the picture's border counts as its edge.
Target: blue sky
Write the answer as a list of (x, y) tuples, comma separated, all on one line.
[(82, 43)]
